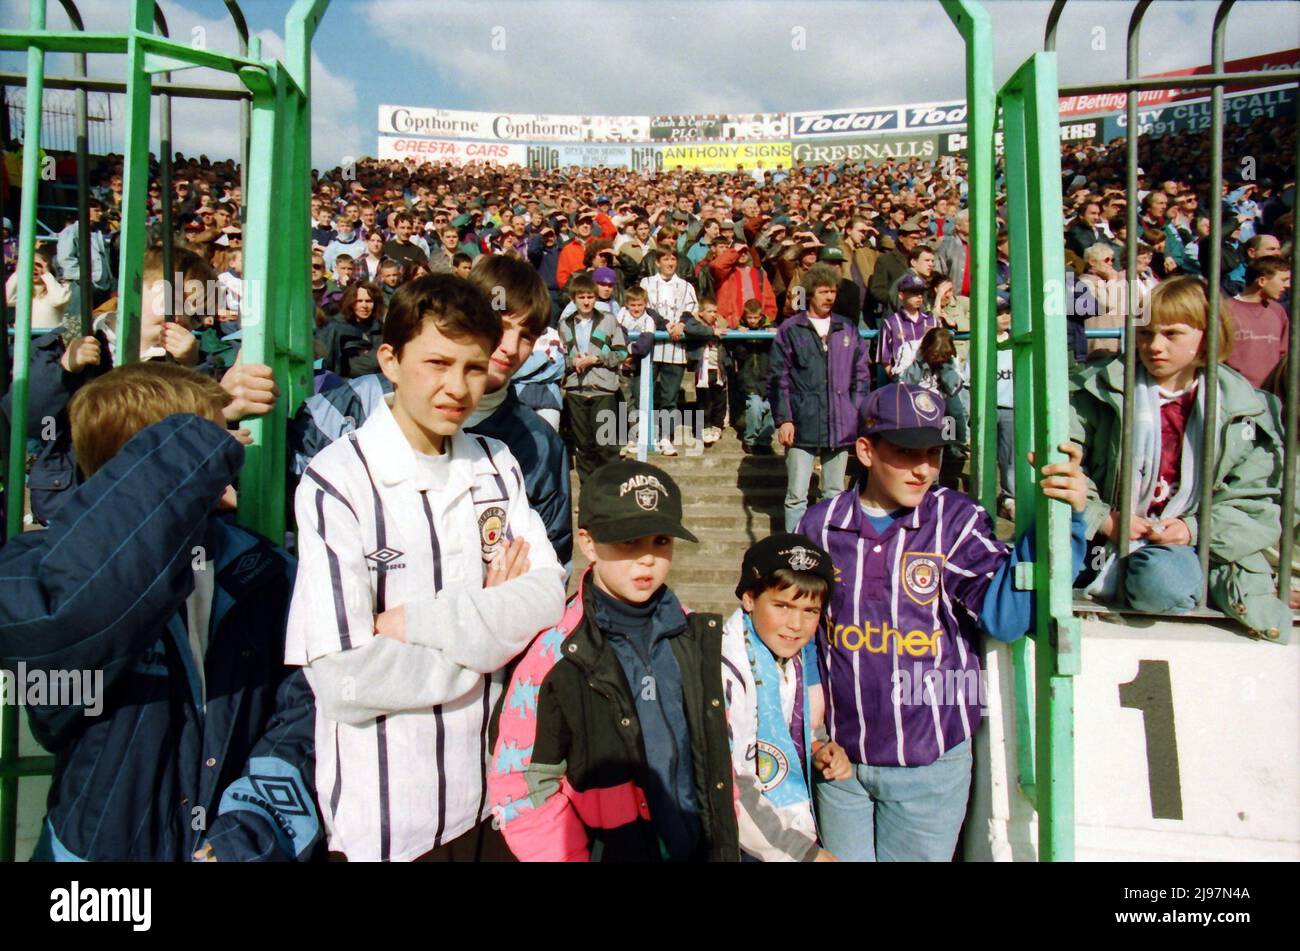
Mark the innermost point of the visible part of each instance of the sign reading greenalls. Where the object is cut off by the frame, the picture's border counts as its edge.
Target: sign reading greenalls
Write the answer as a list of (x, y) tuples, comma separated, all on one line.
[(875, 149)]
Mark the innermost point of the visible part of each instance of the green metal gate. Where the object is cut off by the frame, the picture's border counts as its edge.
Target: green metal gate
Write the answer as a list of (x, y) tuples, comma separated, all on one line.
[(277, 317)]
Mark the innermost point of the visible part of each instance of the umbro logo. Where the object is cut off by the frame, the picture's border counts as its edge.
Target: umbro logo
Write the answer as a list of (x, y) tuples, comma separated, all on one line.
[(384, 559)]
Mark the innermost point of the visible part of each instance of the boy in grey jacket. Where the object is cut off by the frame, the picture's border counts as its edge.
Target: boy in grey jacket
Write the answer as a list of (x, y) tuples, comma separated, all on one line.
[(594, 348)]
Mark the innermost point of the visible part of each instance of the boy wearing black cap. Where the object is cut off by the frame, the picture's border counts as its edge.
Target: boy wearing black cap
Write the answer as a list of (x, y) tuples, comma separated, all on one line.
[(620, 753), (919, 574), (775, 705)]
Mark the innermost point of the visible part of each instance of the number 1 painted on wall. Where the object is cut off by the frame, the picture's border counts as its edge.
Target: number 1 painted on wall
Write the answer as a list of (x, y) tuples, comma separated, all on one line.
[(1151, 692)]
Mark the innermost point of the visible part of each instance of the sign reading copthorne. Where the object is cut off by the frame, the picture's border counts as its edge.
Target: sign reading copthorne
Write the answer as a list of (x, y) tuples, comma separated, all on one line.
[(457, 124), (821, 151)]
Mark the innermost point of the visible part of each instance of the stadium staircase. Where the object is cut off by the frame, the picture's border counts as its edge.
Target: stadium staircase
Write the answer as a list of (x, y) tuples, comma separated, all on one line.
[(731, 501)]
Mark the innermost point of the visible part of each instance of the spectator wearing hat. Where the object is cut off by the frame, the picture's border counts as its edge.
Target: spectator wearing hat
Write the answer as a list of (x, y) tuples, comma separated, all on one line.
[(902, 331), (775, 704), (919, 565), (891, 266), (580, 740)]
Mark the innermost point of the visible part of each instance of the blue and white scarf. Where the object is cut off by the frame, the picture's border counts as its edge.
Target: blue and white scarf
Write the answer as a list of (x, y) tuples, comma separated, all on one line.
[(782, 750)]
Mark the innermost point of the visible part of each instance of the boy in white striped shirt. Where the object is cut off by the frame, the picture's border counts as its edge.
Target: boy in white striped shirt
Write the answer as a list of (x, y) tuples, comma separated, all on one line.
[(673, 299), (423, 573)]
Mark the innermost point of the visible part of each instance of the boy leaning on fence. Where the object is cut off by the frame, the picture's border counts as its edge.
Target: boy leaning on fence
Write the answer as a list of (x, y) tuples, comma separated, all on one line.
[(1163, 572), (919, 574)]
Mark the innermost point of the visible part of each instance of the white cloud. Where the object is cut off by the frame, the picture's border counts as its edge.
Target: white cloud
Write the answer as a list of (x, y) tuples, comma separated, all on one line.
[(645, 57), (205, 126)]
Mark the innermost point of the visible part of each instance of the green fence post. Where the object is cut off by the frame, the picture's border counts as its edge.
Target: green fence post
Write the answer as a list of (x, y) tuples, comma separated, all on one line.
[(972, 22), (1032, 139), (135, 188), (14, 478)]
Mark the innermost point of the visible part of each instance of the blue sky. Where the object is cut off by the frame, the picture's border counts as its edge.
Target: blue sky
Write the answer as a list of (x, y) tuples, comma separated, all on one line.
[(649, 56)]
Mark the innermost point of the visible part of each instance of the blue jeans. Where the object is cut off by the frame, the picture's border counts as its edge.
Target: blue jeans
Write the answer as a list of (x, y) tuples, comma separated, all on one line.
[(1007, 450), (758, 421), (1163, 579), (798, 474), (897, 813)]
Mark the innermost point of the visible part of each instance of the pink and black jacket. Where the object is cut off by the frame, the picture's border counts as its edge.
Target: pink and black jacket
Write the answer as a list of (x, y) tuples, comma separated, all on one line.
[(569, 770)]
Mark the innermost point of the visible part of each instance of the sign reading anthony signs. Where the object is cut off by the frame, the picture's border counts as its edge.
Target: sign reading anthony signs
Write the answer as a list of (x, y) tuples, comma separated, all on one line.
[(820, 151), (727, 156)]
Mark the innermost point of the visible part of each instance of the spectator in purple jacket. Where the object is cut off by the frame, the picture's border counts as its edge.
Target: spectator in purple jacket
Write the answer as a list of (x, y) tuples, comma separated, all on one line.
[(818, 383)]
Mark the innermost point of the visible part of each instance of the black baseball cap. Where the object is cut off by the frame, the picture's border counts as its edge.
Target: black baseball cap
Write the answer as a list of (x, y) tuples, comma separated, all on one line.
[(627, 499), (783, 550), (907, 415)]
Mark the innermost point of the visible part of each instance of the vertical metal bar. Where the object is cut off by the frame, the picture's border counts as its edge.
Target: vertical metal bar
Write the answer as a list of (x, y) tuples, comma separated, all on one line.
[(1210, 449), (972, 21), (14, 481), (1018, 232), (646, 409), (1286, 547), (85, 254), (1032, 141), (1130, 312), (245, 107), (1056, 653), (175, 292), (135, 187), (1053, 18)]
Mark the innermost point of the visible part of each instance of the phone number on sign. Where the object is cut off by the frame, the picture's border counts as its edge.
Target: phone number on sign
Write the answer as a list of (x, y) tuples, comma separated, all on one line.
[(1195, 894)]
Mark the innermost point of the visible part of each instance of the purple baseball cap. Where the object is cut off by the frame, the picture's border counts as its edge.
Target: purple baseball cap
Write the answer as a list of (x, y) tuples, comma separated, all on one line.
[(604, 275), (911, 284), (907, 415)]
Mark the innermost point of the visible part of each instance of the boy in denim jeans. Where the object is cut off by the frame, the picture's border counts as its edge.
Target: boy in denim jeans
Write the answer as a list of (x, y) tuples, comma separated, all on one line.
[(919, 573)]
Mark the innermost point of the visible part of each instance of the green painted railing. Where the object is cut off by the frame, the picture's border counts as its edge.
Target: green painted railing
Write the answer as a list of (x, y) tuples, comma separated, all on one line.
[(277, 318)]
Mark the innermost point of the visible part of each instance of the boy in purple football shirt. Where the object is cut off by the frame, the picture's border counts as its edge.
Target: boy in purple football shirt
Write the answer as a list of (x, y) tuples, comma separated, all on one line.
[(919, 571)]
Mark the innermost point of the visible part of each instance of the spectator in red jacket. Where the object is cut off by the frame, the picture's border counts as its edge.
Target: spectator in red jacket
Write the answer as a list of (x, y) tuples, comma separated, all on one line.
[(738, 278), (571, 258)]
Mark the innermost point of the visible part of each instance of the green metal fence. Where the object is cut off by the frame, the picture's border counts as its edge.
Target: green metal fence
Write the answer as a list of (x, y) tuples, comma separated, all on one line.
[(277, 318)]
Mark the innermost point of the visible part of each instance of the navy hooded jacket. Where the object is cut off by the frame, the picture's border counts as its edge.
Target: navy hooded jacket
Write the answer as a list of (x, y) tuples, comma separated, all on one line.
[(144, 771)]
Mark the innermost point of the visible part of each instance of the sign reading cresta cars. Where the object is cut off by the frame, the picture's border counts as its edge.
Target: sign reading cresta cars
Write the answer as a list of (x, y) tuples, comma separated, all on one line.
[(446, 150)]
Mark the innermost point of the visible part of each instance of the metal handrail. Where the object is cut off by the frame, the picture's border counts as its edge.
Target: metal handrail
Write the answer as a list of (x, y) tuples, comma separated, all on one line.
[(1130, 259)]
